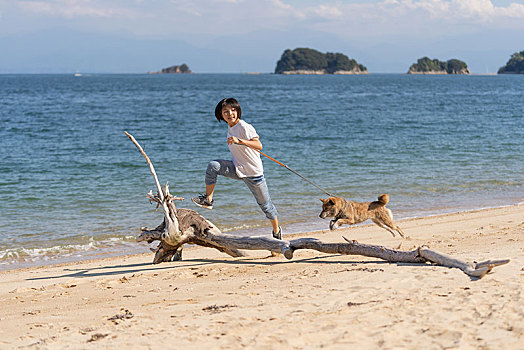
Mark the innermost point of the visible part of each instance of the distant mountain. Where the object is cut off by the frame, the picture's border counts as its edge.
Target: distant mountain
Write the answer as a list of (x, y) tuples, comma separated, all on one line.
[(426, 65), (67, 51), (182, 69), (309, 61), (515, 65)]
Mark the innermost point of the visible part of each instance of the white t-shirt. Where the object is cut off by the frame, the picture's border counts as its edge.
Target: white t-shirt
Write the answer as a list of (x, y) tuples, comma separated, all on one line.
[(247, 161)]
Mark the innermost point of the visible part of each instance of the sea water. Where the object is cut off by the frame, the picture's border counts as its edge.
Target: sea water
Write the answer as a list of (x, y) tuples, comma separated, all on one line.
[(72, 185)]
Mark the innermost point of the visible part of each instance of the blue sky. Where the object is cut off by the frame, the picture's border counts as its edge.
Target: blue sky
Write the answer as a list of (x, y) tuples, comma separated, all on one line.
[(223, 36)]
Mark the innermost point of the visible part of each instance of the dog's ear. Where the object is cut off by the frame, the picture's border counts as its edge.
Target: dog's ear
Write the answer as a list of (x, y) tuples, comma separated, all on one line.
[(331, 201), (338, 202), (323, 200)]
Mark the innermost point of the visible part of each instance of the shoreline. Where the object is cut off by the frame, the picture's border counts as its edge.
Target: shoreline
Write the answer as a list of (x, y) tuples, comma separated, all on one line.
[(314, 300), (134, 248)]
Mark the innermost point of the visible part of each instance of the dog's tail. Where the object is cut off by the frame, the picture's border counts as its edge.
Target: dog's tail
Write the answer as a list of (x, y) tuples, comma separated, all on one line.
[(383, 199)]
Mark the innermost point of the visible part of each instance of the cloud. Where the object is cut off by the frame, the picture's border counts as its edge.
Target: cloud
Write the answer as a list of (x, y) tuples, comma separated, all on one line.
[(513, 10), (76, 8), (483, 10), (327, 11), (253, 10), (228, 1), (216, 18), (407, 18)]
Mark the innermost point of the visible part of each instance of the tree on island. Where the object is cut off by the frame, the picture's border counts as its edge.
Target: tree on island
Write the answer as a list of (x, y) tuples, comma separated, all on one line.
[(515, 65), (309, 61), (426, 65), (183, 68)]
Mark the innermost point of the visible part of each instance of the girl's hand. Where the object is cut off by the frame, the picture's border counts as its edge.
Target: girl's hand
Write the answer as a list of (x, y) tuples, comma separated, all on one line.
[(253, 143), (233, 139)]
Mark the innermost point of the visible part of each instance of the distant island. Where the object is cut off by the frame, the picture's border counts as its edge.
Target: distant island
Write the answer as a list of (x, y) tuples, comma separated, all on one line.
[(182, 69), (515, 64), (426, 65), (309, 61)]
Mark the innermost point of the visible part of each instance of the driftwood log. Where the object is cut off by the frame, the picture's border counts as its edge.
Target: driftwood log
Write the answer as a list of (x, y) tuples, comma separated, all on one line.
[(186, 226)]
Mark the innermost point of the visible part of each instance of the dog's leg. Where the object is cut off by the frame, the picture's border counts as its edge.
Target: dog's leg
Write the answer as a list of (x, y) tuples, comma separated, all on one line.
[(383, 225), (334, 224), (400, 232), (390, 226), (390, 223)]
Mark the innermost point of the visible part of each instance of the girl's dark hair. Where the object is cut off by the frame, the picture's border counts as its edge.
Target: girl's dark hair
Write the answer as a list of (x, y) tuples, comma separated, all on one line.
[(231, 102)]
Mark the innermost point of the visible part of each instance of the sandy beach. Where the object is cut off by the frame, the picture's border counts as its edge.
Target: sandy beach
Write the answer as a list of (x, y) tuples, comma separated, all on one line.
[(210, 300)]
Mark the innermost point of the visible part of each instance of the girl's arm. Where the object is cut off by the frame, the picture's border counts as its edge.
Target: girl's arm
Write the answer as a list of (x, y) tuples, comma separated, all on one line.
[(253, 143)]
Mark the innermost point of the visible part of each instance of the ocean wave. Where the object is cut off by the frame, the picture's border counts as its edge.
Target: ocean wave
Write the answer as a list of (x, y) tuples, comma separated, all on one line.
[(22, 256)]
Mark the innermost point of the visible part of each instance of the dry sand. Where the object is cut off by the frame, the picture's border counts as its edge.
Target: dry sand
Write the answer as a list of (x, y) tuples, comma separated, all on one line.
[(213, 301)]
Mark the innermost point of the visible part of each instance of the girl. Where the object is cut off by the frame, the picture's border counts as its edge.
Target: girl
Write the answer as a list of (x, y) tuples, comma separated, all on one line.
[(245, 165)]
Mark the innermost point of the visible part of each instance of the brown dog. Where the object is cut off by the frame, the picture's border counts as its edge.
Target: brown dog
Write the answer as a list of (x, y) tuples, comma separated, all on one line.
[(350, 213)]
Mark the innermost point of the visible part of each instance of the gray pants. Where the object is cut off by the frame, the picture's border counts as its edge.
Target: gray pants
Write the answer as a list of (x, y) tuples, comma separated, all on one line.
[(256, 184)]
